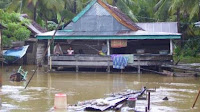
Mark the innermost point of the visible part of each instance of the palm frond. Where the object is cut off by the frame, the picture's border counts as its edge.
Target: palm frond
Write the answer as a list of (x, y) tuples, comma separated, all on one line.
[(124, 8)]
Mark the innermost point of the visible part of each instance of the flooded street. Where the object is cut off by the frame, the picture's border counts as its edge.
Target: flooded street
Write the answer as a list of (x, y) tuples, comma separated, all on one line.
[(39, 95)]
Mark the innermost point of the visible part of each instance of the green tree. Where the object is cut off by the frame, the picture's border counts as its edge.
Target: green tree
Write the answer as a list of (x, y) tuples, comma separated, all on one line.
[(4, 3), (15, 29), (38, 9)]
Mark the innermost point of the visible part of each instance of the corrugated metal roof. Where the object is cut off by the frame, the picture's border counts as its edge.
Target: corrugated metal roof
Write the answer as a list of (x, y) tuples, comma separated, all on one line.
[(96, 19), (170, 27), (33, 26), (140, 32), (120, 17), (76, 18), (197, 24), (98, 16), (110, 35)]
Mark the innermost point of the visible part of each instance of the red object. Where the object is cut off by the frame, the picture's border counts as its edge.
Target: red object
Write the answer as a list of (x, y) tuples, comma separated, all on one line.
[(132, 99), (118, 43), (60, 101)]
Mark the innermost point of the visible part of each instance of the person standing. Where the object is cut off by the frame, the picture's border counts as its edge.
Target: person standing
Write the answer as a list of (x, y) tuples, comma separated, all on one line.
[(57, 49), (70, 51), (104, 49)]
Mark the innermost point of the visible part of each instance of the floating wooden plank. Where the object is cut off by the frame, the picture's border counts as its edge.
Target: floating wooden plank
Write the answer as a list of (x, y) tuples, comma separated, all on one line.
[(178, 74), (182, 67), (115, 100), (111, 102)]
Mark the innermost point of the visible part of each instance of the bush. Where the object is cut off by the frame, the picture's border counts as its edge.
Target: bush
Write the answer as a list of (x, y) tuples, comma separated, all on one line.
[(178, 51), (191, 48)]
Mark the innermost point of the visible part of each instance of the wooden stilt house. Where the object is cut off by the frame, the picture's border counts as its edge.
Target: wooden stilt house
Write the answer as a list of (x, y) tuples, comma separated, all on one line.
[(99, 22)]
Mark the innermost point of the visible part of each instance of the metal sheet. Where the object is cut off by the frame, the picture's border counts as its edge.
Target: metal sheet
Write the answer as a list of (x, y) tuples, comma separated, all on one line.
[(170, 27), (96, 19)]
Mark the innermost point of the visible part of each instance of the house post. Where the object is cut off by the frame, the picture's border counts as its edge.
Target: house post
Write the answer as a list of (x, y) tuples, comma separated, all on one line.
[(108, 53), (171, 47), (0, 42), (139, 69), (2, 60), (49, 54), (108, 46)]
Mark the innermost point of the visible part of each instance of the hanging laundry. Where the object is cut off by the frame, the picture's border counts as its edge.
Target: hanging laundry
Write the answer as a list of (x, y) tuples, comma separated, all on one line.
[(119, 61)]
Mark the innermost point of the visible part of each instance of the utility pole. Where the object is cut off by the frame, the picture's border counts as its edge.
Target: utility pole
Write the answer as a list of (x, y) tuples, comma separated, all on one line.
[(1, 54)]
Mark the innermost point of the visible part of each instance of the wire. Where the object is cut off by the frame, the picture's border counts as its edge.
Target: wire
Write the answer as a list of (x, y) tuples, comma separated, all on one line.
[(44, 53)]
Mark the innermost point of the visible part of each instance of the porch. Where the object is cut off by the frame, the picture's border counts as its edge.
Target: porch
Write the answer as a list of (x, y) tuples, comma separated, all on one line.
[(96, 61)]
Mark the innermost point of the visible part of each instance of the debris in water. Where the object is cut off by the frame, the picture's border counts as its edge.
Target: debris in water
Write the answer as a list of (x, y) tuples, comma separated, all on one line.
[(165, 98)]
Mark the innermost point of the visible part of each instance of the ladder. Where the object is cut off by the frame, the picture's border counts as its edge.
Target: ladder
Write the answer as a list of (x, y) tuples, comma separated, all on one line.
[(22, 72)]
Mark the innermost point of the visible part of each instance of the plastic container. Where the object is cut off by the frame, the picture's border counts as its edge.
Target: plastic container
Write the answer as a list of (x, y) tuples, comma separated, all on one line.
[(163, 52), (131, 102), (140, 51), (60, 101)]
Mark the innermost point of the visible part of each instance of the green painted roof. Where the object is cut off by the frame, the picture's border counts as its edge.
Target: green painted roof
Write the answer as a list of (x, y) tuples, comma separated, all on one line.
[(65, 34), (113, 37), (76, 18)]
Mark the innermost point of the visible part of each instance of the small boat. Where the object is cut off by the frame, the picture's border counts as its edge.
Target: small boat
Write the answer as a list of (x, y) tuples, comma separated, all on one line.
[(179, 74), (12, 55)]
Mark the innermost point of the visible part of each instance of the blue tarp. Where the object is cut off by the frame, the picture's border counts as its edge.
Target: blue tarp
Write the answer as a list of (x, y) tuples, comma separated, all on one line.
[(14, 54)]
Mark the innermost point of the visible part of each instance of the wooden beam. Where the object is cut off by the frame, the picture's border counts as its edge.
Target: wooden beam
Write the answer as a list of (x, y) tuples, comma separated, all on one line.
[(81, 58), (105, 63), (106, 58), (108, 46), (171, 47), (48, 52), (1, 51)]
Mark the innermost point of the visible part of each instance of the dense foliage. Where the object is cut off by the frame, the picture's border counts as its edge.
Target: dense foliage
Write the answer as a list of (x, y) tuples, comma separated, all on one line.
[(15, 29), (185, 12)]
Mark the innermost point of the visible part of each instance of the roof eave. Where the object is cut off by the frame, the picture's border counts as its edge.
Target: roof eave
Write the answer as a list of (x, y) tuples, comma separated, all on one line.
[(100, 37)]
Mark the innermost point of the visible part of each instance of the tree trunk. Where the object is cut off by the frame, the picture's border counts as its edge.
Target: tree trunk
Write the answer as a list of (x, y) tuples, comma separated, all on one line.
[(74, 11), (114, 2), (35, 13), (178, 19), (178, 25), (46, 24), (65, 7), (199, 11)]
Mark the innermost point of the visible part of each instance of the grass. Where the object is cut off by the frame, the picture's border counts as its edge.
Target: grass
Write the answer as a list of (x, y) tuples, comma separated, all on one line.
[(187, 59)]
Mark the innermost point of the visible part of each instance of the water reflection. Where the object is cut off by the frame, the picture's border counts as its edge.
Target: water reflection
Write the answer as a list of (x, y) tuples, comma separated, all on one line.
[(39, 95)]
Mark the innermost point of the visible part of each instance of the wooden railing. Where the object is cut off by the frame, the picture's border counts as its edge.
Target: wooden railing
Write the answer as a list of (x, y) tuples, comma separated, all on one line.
[(151, 59), (86, 60), (81, 61)]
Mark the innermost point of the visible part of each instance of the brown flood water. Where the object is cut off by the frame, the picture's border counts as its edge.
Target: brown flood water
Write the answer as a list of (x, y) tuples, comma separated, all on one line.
[(39, 95)]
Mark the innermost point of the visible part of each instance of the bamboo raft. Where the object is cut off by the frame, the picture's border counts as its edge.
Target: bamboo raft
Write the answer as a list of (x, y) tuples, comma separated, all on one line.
[(114, 101)]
